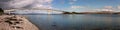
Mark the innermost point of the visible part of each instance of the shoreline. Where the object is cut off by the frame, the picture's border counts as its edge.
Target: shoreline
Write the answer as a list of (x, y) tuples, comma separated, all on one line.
[(16, 22), (30, 21)]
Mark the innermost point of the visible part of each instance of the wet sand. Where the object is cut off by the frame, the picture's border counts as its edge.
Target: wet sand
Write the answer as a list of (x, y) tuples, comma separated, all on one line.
[(15, 22)]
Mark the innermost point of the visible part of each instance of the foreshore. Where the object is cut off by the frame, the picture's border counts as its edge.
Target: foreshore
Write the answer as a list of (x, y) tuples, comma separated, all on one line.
[(15, 22)]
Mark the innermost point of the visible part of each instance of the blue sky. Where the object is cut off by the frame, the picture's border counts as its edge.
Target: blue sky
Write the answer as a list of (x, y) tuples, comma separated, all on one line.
[(84, 5), (64, 5)]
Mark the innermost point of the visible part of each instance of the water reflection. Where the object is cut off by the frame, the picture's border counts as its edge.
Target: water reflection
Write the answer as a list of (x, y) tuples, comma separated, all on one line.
[(76, 22)]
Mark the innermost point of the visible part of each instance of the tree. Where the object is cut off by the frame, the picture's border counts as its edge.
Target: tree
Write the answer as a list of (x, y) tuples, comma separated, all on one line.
[(66, 13), (1, 11), (74, 12)]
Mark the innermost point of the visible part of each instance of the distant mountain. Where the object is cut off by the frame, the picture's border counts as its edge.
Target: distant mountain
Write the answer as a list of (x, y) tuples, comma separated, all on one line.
[(100, 12)]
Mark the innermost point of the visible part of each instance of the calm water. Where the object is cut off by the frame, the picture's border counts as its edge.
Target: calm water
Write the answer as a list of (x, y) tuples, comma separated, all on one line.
[(76, 22)]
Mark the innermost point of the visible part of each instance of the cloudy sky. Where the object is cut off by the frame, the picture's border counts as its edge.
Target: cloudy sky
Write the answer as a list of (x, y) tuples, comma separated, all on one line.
[(65, 5)]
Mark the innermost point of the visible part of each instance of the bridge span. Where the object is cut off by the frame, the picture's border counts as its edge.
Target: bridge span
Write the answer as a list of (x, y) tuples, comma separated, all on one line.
[(48, 11)]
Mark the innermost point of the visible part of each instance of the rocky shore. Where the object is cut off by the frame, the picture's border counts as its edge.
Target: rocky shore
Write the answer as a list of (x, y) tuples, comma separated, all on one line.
[(15, 22)]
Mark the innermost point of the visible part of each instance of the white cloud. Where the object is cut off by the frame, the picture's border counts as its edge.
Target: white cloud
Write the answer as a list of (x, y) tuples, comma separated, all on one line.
[(19, 3), (118, 7), (72, 1), (107, 10), (77, 7), (108, 7), (103, 9), (42, 4), (26, 3), (97, 9)]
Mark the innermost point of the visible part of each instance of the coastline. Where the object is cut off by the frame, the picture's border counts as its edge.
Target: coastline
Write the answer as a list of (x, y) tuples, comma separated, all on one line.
[(16, 22)]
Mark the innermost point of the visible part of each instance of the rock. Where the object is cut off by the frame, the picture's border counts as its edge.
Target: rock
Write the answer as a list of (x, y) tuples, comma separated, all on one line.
[(17, 27), (0, 21), (16, 22), (9, 22)]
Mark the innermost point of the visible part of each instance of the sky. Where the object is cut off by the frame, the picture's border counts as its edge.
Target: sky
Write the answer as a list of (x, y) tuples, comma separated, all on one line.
[(64, 5), (87, 5)]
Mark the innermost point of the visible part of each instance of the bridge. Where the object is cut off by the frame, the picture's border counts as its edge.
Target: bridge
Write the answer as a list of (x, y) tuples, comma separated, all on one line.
[(48, 10)]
